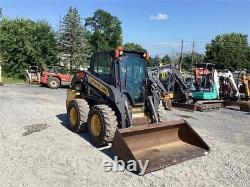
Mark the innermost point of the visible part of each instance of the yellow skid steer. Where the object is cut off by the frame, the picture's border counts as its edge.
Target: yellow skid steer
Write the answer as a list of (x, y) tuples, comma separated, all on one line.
[(117, 102)]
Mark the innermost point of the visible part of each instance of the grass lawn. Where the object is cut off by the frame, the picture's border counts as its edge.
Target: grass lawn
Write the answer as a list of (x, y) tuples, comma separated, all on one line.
[(9, 80)]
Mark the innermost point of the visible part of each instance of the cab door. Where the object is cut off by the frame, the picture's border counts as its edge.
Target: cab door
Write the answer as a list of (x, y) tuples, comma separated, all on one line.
[(102, 67)]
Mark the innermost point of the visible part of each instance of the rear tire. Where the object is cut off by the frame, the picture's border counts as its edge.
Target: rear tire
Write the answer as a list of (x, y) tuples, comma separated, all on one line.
[(77, 112), (162, 113), (53, 83), (102, 124)]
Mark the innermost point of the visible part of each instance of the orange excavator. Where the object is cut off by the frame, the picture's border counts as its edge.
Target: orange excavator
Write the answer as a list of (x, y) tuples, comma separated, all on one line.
[(245, 79)]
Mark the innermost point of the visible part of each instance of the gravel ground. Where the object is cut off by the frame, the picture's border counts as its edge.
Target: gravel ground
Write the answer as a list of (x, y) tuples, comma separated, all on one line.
[(36, 148)]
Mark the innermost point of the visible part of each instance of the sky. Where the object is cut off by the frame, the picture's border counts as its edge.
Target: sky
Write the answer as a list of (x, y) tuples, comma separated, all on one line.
[(159, 26)]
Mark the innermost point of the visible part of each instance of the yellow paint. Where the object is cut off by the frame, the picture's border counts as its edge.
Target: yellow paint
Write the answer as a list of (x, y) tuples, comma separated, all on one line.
[(73, 116), (168, 96), (95, 125), (246, 82), (71, 95), (137, 110), (98, 85), (163, 75), (138, 115)]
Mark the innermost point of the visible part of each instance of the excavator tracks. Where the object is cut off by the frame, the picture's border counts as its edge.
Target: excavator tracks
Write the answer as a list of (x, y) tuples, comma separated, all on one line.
[(211, 105)]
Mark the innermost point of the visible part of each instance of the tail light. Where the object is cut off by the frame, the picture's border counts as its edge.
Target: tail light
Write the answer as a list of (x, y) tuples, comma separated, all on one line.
[(147, 56), (118, 52)]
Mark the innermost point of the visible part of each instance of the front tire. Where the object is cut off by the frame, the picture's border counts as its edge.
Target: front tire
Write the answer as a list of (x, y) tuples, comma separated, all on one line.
[(102, 124), (53, 83), (77, 112)]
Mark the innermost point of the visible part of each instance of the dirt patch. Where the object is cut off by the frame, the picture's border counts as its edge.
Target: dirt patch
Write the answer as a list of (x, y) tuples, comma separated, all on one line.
[(34, 128)]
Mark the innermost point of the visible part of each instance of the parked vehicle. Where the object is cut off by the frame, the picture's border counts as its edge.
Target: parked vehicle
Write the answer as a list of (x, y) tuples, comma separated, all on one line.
[(118, 101), (55, 76), (33, 74)]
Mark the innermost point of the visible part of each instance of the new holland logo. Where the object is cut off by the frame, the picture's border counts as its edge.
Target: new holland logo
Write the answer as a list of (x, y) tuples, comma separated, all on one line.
[(98, 85)]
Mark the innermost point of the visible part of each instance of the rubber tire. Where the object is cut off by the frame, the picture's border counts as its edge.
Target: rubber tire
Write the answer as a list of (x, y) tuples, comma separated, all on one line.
[(82, 109), (51, 79), (108, 124), (162, 113)]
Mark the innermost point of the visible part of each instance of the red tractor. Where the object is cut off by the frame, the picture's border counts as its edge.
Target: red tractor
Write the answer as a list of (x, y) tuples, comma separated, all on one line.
[(55, 76)]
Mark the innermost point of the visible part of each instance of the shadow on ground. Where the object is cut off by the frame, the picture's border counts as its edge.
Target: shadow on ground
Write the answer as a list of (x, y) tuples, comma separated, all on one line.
[(237, 109), (186, 116), (106, 149), (232, 108), (34, 85)]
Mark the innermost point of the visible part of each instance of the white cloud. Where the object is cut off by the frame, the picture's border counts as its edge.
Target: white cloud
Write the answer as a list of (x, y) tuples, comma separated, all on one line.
[(159, 17)]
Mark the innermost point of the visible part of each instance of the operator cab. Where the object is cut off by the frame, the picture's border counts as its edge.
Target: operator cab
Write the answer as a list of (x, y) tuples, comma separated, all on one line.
[(124, 69), (57, 70), (203, 76)]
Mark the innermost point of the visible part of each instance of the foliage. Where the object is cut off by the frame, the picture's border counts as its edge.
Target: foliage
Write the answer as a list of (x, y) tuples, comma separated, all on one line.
[(24, 42), (133, 47), (165, 60), (73, 40), (229, 51), (187, 60), (106, 31), (248, 58), (153, 61), (156, 60), (150, 62)]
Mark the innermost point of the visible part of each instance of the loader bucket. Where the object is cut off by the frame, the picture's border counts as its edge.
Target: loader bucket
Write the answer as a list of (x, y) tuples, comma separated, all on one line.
[(244, 106), (163, 144)]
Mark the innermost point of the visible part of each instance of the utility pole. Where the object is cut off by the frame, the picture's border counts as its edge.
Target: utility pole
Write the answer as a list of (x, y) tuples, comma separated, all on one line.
[(192, 62), (181, 58), (193, 54)]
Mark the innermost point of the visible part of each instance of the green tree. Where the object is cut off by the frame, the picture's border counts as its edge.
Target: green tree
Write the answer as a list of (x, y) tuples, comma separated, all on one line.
[(150, 62), (106, 31), (228, 51), (165, 60), (156, 61), (248, 58), (187, 60), (133, 47), (44, 46), (24, 42), (73, 39)]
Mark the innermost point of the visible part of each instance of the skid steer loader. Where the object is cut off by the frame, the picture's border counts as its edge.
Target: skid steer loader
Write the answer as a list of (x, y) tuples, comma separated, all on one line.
[(116, 101)]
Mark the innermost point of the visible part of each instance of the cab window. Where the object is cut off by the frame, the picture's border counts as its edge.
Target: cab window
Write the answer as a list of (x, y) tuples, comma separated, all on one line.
[(102, 67)]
